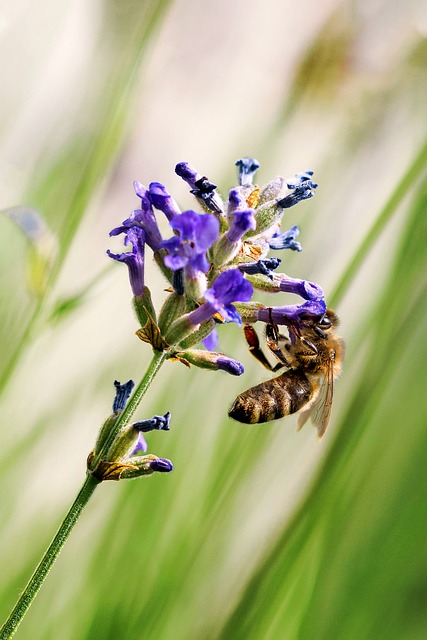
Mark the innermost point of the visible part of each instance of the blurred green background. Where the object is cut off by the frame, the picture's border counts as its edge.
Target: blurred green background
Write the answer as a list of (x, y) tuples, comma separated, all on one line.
[(260, 533)]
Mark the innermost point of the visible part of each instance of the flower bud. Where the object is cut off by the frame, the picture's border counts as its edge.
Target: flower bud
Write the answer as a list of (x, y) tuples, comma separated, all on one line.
[(173, 308), (143, 307), (146, 466), (211, 360)]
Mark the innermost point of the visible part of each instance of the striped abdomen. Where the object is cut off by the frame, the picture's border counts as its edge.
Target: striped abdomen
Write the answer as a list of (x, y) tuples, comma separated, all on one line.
[(272, 399)]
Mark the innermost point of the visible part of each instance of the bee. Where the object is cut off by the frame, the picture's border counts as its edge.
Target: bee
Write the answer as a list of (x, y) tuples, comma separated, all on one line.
[(313, 355)]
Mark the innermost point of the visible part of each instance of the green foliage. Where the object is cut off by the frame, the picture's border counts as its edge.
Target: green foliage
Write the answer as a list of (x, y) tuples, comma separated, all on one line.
[(259, 533)]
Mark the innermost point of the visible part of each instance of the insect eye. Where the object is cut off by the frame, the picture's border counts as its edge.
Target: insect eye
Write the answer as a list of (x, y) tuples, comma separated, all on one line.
[(324, 323)]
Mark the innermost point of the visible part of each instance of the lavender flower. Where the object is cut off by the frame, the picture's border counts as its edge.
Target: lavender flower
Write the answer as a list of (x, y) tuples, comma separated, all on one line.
[(211, 341), (123, 392), (304, 288), (162, 465), (159, 423), (265, 267), (286, 240), (133, 259), (292, 314), (197, 232), (229, 287), (143, 218), (303, 188), (229, 244), (247, 169), (204, 190), (162, 200)]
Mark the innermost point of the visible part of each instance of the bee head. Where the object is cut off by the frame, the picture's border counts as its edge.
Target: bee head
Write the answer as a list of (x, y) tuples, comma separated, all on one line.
[(328, 321)]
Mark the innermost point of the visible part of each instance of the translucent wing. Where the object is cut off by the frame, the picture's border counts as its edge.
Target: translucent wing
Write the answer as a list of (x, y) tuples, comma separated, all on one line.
[(320, 409)]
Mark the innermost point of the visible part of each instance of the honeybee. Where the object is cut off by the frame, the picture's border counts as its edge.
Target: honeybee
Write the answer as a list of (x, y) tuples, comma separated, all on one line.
[(313, 355)]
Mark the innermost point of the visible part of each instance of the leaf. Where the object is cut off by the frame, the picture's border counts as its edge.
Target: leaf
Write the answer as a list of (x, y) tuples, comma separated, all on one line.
[(111, 470), (151, 333)]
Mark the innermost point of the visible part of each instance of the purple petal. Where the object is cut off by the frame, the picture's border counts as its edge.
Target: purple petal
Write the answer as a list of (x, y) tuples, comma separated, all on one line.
[(231, 314), (211, 341), (229, 287), (175, 262), (234, 367), (162, 200)]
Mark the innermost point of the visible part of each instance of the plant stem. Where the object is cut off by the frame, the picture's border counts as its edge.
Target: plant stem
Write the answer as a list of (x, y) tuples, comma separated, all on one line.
[(158, 359), (45, 564), (89, 486)]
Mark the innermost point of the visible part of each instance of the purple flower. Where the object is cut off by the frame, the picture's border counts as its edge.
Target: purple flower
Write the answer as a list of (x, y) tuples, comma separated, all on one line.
[(204, 190), (286, 240), (236, 200), (123, 392), (292, 314), (304, 288), (303, 188), (162, 465), (211, 341), (160, 423), (134, 259), (197, 232), (241, 223), (143, 218), (187, 173), (229, 287), (247, 169), (234, 367), (162, 200), (261, 266)]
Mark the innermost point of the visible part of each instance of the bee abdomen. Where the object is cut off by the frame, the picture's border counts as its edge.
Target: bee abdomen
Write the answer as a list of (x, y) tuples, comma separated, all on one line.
[(272, 399)]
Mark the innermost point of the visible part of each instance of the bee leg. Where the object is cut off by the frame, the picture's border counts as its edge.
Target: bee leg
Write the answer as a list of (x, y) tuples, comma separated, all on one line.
[(272, 334), (254, 347)]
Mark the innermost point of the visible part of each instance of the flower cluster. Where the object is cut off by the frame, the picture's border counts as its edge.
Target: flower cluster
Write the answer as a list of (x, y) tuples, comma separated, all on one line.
[(118, 457), (215, 258)]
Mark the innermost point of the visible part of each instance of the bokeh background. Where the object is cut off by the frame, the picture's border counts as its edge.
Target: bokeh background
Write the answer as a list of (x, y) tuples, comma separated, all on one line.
[(260, 533)]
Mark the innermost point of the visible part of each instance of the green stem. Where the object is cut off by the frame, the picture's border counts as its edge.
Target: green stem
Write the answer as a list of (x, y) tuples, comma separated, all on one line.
[(158, 359), (407, 181), (89, 486), (45, 564)]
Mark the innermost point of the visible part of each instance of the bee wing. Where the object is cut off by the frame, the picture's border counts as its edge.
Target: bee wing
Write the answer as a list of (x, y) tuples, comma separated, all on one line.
[(320, 409)]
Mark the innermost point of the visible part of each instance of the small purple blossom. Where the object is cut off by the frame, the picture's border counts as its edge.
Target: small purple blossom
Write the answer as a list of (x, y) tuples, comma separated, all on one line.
[(292, 314), (201, 187), (242, 222), (143, 218), (229, 287), (247, 169), (303, 188), (211, 341), (160, 423), (236, 200), (162, 200), (286, 240), (185, 171), (304, 288), (265, 267), (197, 232), (163, 465), (234, 367), (156, 423), (133, 259), (123, 392)]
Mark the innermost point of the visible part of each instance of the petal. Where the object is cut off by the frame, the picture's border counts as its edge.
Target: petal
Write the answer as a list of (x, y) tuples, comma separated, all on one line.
[(211, 341)]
